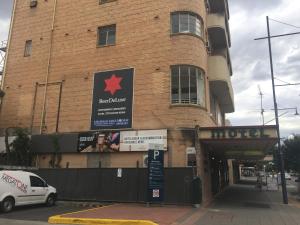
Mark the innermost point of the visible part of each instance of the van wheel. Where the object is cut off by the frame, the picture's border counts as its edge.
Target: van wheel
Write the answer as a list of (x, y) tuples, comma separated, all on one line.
[(50, 200), (7, 204)]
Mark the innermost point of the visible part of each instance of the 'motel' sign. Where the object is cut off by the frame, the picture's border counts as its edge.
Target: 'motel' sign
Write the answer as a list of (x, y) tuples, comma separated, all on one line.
[(155, 175)]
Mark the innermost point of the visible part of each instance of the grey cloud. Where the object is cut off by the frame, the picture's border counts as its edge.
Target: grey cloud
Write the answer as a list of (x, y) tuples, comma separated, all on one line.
[(6, 9), (250, 5), (294, 58)]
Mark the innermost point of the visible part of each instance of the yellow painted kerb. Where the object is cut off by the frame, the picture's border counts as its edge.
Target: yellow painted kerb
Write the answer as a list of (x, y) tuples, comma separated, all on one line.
[(87, 221)]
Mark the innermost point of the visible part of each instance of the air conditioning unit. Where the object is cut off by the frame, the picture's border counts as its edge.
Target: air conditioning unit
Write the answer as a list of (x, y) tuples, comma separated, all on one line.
[(208, 47), (145, 161), (33, 3)]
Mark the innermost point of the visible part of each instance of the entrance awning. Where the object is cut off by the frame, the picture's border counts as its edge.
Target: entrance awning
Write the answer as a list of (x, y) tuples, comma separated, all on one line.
[(238, 142)]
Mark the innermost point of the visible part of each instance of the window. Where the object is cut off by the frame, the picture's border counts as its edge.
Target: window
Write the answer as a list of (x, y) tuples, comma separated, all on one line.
[(107, 35), (33, 3), (28, 48), (187, 84), (105, 1), (36, 182), (186, 22)]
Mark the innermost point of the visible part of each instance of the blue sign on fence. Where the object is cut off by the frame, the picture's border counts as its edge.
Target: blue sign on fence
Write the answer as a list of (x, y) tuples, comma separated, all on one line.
[(155, 175)]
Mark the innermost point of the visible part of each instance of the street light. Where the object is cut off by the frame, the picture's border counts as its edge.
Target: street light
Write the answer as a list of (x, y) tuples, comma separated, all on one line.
[(280, 153)]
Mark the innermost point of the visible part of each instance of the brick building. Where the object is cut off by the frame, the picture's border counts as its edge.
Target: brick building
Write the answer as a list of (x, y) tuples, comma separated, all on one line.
[(174, 55)]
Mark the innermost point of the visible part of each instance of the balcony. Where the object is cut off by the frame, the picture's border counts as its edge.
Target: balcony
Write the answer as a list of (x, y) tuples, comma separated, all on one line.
[(218, 6), (220, 83), (218, 31)]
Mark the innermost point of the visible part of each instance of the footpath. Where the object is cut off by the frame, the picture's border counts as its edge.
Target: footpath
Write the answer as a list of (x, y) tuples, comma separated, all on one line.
[(237, 205)]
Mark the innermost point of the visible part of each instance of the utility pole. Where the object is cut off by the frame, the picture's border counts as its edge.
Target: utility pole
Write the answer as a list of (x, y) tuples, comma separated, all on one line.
[(280, 153)]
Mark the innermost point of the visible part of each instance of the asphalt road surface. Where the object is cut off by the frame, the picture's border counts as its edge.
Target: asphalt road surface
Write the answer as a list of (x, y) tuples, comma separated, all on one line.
[(38, 213)]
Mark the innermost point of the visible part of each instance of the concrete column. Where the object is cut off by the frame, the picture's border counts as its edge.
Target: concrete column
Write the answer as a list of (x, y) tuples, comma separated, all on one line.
[(203, 169), (230, 172)]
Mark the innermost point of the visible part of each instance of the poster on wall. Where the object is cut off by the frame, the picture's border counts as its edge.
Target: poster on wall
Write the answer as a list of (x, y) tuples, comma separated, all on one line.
[(112, 100), (139, 140), (98, 142), (121, 141)]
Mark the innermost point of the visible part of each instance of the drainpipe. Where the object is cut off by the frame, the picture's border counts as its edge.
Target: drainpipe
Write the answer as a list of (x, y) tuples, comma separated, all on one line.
[(33, 107), (48, 69), (198, 152), (58, 108)]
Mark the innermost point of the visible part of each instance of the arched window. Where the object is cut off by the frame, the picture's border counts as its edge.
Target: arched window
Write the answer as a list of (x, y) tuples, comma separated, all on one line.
[(186, 22), (188, 85)]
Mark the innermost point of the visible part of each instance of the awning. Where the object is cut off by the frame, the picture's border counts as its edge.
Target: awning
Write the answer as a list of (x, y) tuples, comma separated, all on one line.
[(238, 142)]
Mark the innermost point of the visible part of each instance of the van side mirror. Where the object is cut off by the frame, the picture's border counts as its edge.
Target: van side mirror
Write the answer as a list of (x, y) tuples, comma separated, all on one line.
[(45, 184)]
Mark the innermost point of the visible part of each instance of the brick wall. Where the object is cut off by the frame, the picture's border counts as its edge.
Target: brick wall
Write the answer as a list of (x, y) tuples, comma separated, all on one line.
[(143, 42)]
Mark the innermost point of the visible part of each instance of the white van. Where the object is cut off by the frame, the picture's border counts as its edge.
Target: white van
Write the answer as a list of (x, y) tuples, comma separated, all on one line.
[(24, 188)]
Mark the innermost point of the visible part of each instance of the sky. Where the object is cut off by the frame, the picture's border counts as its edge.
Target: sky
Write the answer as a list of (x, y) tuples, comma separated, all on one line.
[(250, 60), (251, 65)]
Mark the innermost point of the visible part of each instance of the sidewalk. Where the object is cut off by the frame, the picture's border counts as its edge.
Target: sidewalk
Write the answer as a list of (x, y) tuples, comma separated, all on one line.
[(162, 215), (237, 205), (243, 204)]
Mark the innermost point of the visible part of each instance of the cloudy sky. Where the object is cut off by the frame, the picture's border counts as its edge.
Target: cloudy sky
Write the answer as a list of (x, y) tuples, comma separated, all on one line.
[(251, 67), (250, 59)]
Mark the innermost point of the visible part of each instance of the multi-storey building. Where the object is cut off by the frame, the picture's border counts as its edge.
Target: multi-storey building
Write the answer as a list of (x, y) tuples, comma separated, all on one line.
[(108, 77)]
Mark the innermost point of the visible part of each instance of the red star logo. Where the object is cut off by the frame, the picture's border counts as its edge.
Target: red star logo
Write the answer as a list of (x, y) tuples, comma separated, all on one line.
[(113, 84)]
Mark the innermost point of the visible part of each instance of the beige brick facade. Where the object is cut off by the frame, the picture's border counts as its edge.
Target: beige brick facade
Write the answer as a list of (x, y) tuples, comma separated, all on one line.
[(75, 58), (68, 54)]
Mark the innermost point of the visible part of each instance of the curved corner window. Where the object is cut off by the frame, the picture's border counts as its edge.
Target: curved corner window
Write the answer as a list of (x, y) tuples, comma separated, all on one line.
[(186, 22), (187, 84)]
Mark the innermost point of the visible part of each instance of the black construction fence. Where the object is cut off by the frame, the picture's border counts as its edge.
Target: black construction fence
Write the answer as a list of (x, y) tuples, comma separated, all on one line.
[(104, 184)]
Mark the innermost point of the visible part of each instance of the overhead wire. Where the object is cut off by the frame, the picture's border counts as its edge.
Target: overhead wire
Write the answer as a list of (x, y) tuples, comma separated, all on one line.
[(288, 24)]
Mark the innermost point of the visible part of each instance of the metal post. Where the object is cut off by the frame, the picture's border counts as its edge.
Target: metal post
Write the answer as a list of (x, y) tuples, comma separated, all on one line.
[(58, 107), (282, 173)]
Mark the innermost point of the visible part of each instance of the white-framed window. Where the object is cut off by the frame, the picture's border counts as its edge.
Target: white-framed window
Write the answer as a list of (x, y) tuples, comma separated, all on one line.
[(186, 22), (28, 48), (107, 35), (187, 85), (191, 160)]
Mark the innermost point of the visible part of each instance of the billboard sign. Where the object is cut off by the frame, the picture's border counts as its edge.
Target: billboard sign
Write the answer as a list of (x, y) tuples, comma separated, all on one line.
[(112, 100), (98, 142), (121, 141), (140, 140)]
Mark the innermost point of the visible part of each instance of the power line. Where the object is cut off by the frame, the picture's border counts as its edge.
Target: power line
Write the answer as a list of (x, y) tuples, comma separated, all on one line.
[(276, 36), (288, 24), (281, 85), (281, 80), (286, 83)]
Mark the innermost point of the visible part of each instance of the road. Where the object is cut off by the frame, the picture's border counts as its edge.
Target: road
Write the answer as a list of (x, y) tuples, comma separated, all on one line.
[(21, 222), (36, 215)]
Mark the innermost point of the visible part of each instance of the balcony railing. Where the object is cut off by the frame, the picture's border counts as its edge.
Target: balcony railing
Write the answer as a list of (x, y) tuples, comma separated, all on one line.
[(218, 6), (218, 31), (220, 82)]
